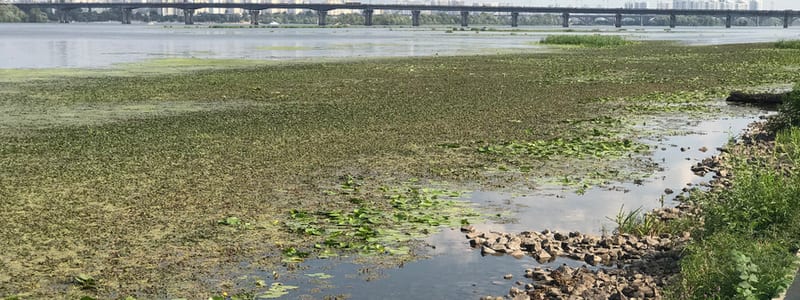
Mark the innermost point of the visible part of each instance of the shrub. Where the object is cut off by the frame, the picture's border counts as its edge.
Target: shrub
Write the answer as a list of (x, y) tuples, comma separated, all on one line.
[(594, 40)]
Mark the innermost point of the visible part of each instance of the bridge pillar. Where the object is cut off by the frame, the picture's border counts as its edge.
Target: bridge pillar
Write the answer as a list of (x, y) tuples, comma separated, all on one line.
[(368, 17), (415, 18), (464, 18), (62, 15), (254, 14), (127, 14), (618, 20), (787, 18), (565, 20), (672, 21), (514, 19), (728, 21), (188, 16), (321, 15)]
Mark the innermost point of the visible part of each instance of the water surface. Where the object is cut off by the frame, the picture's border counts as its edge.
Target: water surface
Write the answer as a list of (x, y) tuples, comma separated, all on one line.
[(93, 45)]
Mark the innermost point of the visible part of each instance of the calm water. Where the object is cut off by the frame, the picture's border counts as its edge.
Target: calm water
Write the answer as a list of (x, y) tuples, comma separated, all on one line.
[(104, 44)]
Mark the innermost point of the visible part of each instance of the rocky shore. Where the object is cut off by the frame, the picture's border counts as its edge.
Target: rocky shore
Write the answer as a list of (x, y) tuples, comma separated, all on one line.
[(618, 266)]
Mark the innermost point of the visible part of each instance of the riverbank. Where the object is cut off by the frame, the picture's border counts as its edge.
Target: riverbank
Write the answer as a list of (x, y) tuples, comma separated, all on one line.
[(734, 239), (178, 185)]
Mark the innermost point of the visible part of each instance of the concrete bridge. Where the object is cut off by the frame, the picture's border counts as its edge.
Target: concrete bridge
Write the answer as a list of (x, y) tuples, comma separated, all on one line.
[(322, 10)]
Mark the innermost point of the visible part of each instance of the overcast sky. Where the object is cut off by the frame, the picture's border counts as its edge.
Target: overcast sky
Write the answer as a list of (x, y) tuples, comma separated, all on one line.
[(765, 4)]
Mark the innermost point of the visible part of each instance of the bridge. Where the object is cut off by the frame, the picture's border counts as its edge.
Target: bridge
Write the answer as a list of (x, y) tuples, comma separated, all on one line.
[(787, 16)]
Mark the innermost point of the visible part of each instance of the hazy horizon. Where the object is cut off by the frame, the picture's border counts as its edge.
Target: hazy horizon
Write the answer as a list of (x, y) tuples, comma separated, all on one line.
[(765, 4)]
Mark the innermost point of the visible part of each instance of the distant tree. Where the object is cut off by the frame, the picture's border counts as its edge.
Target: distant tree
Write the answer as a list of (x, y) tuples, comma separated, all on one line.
[(35, 15), (11, 14)]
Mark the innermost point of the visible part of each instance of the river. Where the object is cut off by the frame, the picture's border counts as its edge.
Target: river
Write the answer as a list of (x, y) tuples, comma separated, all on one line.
[(100, 45), (453, 269)]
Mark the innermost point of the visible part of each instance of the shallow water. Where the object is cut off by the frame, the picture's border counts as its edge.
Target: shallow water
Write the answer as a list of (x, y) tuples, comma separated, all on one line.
[(97, 45), (454, 270)]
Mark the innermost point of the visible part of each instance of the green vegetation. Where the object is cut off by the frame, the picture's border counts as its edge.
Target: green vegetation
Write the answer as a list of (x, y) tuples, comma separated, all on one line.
[(594, 40), (11, 14), (102, 175), (792, 44), (414, 212), (746, 246), (284, 48)]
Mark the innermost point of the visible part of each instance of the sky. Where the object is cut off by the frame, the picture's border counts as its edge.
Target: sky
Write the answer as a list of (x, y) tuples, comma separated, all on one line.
[(766, 4)]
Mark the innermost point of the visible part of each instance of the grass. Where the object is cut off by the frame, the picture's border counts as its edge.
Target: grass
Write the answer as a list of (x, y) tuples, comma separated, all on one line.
[(134, 200), (594, 40), (751, 231), (791, 44)]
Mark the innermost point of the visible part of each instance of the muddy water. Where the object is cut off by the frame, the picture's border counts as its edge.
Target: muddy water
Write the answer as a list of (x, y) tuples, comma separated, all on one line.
[(453, 270)]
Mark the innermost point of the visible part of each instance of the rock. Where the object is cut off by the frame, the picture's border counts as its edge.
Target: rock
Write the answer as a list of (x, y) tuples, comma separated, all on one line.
[(514, 292), (468, 229), (528, 273), (518, 254), (522, 296), (668, 191), (592, 259), (508, 276), (543, 256), (475, 242), (703, 149), (651, 241), (757, 98), (485, 250)]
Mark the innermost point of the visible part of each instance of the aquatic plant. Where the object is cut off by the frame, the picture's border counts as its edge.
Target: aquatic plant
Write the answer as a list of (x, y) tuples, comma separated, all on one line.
[(594, 40), (108, 152)]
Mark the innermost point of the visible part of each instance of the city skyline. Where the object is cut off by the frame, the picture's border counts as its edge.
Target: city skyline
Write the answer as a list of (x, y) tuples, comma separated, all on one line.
[(765, 4)]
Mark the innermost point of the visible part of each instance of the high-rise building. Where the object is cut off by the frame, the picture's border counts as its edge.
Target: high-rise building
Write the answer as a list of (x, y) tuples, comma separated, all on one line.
[(716, 4), (755, 5)]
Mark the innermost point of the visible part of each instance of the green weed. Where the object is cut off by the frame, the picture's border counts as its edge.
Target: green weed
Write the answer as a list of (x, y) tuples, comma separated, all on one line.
[(594, 40), (791, 44)]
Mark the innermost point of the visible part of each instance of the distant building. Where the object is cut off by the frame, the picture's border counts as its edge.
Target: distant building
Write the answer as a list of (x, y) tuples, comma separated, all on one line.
[(755, 5), (636, 5), (716, 4)]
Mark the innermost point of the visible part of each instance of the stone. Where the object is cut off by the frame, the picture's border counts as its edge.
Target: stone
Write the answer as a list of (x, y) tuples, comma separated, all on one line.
[(668, 191), (474, 243), (703, 149), (485, 250), (518, 254), (528, 273), (522, 296), (468, 229), (651, 241), (592, 259), (543, 256), (515, 291), (508, 276)]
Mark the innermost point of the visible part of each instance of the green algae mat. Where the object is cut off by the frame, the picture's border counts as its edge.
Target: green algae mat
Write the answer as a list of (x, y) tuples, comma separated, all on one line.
[(175, 183)]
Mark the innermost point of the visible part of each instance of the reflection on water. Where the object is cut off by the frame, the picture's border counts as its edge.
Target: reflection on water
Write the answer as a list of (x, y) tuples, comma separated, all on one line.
[(104, 44)]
